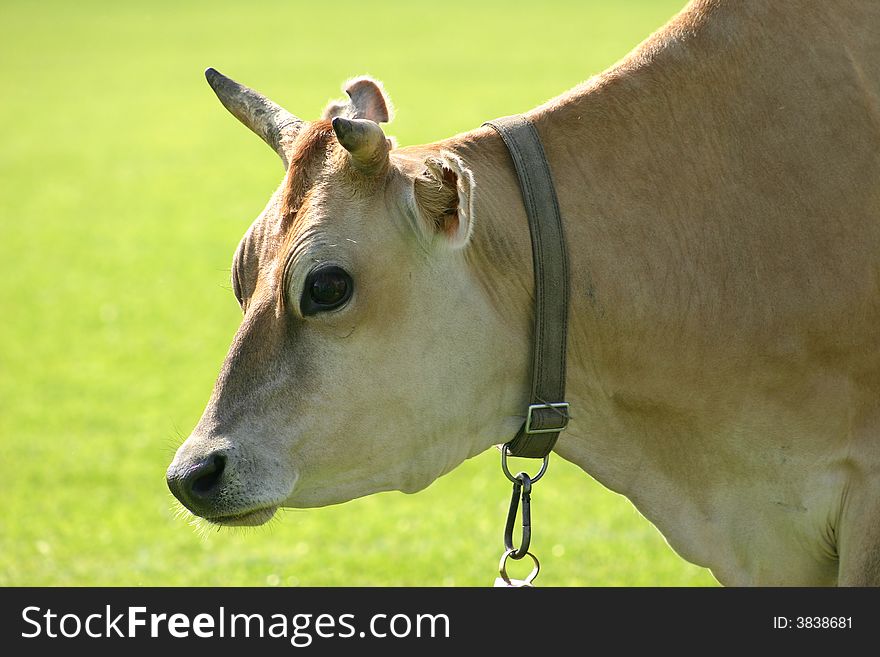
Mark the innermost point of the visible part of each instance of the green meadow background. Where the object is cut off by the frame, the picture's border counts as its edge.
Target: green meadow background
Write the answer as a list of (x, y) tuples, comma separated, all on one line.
[(125, 187)]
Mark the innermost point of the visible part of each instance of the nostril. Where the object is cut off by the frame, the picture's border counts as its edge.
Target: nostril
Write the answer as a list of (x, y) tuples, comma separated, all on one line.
[(207, 477)]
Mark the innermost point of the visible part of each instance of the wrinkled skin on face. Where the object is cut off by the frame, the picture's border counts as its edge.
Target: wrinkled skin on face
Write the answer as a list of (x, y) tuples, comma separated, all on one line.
[(389, 390)]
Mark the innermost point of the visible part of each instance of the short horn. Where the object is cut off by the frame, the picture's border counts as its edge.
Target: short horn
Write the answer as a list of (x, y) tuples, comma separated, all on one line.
[(365, 142), (272, 123)]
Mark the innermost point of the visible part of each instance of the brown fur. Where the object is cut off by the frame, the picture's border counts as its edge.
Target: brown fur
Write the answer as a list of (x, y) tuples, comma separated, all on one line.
[(311, 145), (721, 195)]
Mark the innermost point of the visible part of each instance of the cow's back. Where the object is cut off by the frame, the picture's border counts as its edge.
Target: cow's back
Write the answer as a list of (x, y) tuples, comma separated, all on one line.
[(724, 187)]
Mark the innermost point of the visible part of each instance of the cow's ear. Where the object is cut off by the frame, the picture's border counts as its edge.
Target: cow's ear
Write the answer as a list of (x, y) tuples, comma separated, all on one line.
[(443, 194), (366, 100)]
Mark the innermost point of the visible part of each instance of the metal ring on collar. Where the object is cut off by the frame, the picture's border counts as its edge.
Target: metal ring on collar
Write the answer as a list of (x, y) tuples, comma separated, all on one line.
[(502, 568), (505, 453)]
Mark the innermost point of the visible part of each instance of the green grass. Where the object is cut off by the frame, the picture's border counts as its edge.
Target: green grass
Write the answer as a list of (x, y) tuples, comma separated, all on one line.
[(124, 188)]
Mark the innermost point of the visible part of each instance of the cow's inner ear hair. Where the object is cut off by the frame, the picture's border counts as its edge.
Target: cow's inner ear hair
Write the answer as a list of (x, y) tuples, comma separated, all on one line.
[(437, 197), (443, 192)]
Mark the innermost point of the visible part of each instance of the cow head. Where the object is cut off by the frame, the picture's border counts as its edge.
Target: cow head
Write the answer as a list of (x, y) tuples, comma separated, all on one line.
[(368, 358)]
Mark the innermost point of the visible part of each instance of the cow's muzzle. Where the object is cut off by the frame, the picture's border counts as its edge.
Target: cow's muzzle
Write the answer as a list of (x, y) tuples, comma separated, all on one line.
[(198, 484)]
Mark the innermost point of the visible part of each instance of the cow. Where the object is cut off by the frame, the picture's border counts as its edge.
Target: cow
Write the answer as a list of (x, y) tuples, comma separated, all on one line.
[(720, 192)]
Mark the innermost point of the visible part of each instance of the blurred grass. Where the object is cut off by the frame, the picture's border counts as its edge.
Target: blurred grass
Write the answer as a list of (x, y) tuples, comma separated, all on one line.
[(124, 188)]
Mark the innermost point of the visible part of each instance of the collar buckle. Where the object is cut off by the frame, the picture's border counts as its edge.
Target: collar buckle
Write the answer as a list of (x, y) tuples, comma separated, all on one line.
[(544, 421)]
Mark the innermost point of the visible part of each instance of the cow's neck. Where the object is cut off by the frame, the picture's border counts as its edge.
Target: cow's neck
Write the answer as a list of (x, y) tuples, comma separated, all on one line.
[(611, 384), (595, 136), (501, 261)]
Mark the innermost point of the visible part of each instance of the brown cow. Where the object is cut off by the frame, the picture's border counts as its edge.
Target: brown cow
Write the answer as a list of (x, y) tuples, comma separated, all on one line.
[(720, 189)]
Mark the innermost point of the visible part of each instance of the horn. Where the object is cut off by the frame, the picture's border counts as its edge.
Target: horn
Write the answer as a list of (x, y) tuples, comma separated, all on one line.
[(364, 141), (272, 123)]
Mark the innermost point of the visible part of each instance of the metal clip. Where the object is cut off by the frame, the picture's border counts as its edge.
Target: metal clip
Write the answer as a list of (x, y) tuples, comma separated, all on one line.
[(522, 484)]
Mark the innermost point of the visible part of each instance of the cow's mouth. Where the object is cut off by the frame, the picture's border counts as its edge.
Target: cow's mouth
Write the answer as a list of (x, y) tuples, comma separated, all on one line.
[(246, 519)]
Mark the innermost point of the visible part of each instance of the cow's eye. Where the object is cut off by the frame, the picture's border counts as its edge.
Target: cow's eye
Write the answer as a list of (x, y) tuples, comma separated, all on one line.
[(327, 287)]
